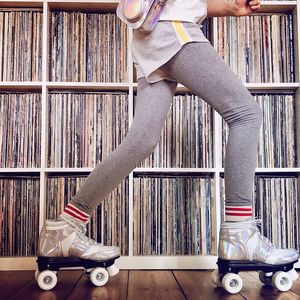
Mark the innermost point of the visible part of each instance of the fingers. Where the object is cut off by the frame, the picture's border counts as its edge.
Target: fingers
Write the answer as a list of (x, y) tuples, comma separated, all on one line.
[(254, 4)]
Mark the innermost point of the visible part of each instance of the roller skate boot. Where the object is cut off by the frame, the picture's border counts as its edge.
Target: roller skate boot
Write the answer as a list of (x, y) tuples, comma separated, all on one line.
[(63, 243), (242, 248)]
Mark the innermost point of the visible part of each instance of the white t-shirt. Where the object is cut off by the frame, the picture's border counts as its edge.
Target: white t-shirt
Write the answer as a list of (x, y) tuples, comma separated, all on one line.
[(185, 10)]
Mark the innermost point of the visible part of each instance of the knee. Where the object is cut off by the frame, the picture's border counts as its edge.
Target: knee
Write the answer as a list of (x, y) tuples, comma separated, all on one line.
[(247, 113)]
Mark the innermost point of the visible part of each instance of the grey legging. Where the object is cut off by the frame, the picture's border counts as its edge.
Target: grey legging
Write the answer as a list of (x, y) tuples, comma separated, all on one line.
[(203, 71)]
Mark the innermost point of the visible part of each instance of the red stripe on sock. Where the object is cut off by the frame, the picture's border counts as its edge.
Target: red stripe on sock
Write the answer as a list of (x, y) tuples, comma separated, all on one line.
[(75, 216), (77, 211), (238, 214), (238, 208)]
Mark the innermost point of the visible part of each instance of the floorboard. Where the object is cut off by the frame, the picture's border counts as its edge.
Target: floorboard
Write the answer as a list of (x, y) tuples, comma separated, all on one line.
[(198, 285), (116, 288), (156, 284), (12, 281), (139, 285), (296, 286), (67, 279), (254, 289)]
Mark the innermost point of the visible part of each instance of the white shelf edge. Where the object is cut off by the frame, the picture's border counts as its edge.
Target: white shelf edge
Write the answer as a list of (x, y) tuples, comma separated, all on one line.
[(127, 262), (172, 170), (258, 86), (263, 3), (20, 170), (88, 85), (88, 1), (273, 170), (149, 170), (126, 85), (190, 262)]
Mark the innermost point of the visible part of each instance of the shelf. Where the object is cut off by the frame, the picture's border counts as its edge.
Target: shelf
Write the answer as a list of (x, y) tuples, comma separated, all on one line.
[(277, 6), (272, 170), (146, 170), (20, 170), (85, 86), (87, 6), (21, 86), (268, 87), (253, 87), (129, 262), (45, 87), (132, 262), (31, 3), (70, 170), (120, 86), (95, 5)]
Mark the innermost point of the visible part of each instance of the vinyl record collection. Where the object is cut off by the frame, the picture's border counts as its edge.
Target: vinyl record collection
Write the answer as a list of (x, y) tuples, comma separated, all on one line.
[(251, 45), (20, 130), (84, 128), (98, 43), (19, 215), (21, 32), (172, 211), (172, 215)]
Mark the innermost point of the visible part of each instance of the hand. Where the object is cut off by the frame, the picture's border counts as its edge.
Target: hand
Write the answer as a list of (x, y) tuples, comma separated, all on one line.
[(246, 7)]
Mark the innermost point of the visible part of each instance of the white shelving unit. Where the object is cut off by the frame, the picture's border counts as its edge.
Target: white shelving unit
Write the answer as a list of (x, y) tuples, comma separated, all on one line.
[(131, 261)]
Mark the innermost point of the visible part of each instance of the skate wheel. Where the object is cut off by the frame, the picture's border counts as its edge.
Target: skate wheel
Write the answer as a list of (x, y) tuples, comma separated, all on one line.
[(47, 280), (99, 276), (294, 275), (282, 281), (37, 272), (112, 270), (232, 283), (215, 277), (265, 279)]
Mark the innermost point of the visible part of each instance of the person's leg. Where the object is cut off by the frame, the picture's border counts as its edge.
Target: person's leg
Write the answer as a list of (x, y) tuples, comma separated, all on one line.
[(153, 102), (203, 71), (66, 236)]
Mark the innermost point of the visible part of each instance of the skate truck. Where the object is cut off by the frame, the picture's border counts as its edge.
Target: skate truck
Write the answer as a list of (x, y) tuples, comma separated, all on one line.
[(98, 271)]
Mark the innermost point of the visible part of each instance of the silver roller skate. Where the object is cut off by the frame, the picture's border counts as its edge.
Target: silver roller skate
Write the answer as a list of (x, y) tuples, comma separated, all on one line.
[(243, 248), (63, 243)]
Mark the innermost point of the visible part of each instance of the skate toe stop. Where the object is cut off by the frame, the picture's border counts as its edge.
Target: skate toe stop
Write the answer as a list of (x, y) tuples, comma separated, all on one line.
[(112, 270), (293, 273)]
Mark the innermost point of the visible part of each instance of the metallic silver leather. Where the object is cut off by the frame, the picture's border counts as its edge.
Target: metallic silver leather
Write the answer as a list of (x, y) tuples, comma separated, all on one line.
[(56, 232), (243, 241)]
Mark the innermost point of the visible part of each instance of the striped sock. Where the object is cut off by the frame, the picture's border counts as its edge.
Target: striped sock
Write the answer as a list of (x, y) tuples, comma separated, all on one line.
[(237, 213), (75, 213)]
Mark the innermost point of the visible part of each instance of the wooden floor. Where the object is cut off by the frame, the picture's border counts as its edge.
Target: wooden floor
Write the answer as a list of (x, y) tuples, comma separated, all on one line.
[(137, 284)]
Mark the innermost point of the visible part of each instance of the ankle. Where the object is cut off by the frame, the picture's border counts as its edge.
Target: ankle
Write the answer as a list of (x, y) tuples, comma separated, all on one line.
[(73, 213)]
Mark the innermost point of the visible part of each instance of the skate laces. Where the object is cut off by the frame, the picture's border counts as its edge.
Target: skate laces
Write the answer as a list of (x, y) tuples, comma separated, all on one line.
[(80, 229), (265, 239), (83, 235), (253, 222)]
